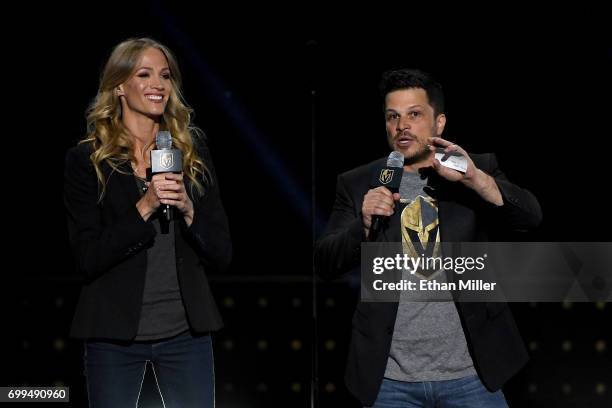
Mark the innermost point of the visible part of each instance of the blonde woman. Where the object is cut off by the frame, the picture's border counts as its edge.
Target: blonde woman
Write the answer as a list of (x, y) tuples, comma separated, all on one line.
[(146, 295)]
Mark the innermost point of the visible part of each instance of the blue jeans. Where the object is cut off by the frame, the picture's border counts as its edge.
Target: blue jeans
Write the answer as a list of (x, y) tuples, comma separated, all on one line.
[(182, 365), (467, 392)]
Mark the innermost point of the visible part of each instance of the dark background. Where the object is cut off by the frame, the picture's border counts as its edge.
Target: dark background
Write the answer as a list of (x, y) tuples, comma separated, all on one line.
[(288, 99)]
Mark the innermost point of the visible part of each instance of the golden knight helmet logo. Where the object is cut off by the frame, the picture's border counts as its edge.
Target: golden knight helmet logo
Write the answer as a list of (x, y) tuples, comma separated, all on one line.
[(386, 175), (166, 160)]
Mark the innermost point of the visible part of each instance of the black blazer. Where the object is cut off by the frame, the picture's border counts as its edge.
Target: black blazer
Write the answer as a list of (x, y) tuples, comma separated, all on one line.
[(109, 240), (494, 342)]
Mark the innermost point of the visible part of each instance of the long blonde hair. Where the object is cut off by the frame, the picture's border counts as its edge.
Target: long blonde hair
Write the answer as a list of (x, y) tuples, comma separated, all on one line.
[(111, 140)]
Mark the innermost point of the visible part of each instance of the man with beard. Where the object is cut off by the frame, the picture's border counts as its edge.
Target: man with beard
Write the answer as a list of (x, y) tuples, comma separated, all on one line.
[(426, 354)]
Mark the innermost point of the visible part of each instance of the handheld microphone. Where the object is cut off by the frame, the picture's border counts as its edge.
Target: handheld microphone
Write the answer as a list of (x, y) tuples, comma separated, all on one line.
[(165, 159), (389, 177)]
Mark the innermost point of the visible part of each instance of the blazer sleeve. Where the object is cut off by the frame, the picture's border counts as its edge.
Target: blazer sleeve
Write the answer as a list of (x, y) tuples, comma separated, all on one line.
[(338, 251), (520, 210), (209, 230), (97, 245)]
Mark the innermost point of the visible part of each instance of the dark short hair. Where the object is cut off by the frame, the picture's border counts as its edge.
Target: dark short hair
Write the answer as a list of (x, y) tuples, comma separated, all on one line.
[(413, 78)]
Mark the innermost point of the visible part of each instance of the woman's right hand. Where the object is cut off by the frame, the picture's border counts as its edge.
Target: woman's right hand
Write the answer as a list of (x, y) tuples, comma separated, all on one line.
[(149, 202)]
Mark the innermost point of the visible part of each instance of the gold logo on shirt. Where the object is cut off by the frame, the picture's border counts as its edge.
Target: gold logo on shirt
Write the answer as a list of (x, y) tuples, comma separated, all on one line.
[(421, 238)]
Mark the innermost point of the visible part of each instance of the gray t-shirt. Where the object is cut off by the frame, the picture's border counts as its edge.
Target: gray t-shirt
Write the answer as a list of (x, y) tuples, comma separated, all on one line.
[(428, 340), (162, 314)]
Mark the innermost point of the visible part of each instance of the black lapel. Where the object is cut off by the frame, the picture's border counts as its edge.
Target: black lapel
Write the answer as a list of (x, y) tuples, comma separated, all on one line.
[(441, 190), (122, 186)]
